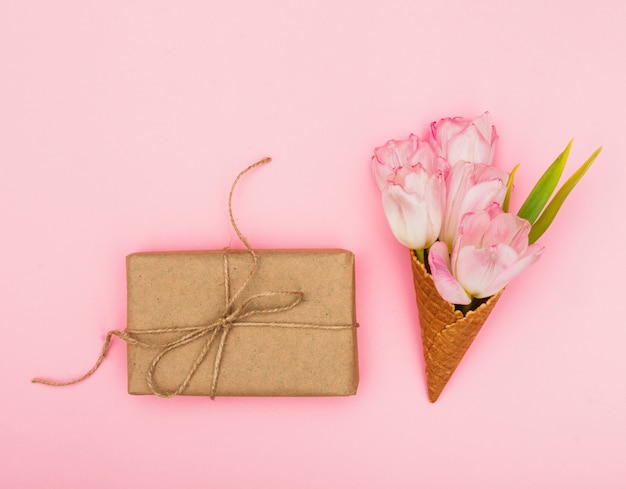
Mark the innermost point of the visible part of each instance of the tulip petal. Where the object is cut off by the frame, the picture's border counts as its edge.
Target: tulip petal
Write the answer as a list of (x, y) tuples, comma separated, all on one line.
[(396, 155), (382, 173), (442, 131), (414, 180), (477, 268), (473, 227), (391, 157), (457, 186), (435, 199), (509, 229), (470, 188), (460, 139), (509, 273), (483, 272), (469, 145), (483, 173), (407, 216), (484, 124), (479, 196), (446, 284)]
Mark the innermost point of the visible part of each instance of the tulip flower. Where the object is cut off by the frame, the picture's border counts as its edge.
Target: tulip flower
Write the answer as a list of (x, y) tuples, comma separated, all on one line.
[(470, 188), (491, 249), (394, 155), (412, 182), (459, 139)]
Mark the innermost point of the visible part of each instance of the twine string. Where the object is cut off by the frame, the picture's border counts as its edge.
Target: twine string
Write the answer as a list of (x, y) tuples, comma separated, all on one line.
[(232, 316), (220, 327)]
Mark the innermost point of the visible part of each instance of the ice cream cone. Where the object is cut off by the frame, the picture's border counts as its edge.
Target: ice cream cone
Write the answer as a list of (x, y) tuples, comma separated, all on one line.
[(446, 333)]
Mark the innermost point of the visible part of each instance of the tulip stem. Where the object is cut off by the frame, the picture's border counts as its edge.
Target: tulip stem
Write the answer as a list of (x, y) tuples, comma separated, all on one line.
[(420, 256)]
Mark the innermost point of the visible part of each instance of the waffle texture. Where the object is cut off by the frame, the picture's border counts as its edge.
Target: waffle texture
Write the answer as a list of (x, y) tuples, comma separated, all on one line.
[(446, 333)]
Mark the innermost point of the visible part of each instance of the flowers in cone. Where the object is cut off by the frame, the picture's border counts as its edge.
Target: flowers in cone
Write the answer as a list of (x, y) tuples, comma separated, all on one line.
[(445, 200)]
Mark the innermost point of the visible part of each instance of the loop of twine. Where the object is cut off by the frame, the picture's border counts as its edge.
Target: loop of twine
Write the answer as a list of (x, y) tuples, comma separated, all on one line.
[(231, 317)]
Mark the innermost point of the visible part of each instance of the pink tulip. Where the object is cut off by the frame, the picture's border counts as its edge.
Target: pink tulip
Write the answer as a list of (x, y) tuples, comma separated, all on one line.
[(470, 187), (491, 249), (394, 155), (412, 180), (460, 139)]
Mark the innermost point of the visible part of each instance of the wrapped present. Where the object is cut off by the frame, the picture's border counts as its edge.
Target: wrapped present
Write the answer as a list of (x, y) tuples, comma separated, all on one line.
[(247, 323), (219, 323)]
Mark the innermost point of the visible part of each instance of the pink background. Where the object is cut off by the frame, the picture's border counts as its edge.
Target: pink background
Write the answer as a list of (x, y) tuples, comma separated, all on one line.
[(123, 124)]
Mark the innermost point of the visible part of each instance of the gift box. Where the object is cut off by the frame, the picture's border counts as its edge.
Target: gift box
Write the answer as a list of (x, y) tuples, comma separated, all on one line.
[(238, 323), (241, 323)]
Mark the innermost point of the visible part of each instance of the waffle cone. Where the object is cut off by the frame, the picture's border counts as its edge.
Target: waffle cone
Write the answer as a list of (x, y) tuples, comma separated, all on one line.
[(446, 333)]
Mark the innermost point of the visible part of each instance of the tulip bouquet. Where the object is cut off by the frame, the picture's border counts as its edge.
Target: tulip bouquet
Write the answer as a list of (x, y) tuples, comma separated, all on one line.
[(449, 205)]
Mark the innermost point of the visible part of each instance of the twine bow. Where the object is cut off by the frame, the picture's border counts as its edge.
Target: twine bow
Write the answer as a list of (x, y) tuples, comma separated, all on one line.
[(232, 316)]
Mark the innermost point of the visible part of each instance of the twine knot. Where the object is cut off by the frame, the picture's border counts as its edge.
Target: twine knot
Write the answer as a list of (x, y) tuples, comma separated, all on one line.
[(225, 323)]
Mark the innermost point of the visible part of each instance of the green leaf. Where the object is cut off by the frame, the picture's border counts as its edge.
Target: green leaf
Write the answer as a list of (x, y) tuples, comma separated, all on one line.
[(548, 215), (539, 195), (509, 188)]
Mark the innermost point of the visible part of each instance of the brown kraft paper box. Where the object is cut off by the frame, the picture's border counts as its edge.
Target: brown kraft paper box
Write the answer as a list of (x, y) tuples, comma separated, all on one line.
[(169, 290)]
